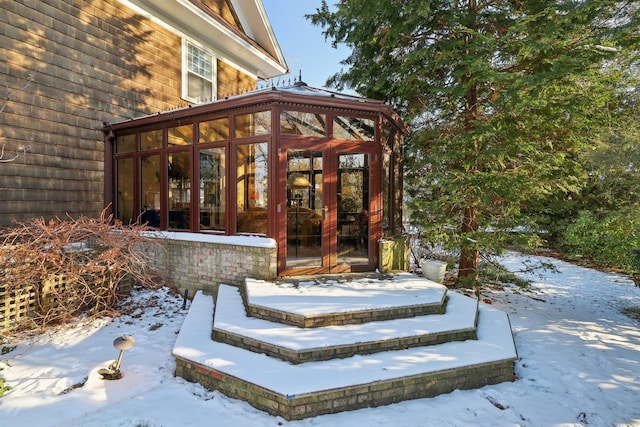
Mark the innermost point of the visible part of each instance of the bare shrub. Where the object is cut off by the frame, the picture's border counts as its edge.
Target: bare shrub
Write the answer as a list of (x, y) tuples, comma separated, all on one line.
[(73, 266)]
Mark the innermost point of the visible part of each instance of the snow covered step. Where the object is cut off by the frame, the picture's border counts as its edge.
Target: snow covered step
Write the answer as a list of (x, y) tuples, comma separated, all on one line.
[(315, 388), (312, 305), (232, 326)]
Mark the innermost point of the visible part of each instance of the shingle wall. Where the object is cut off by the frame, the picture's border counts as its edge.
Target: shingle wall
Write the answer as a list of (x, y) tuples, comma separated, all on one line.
[(68, 66)]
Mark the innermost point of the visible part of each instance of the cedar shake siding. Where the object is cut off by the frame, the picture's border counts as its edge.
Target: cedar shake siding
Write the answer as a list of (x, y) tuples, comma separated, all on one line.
[(67, 68)]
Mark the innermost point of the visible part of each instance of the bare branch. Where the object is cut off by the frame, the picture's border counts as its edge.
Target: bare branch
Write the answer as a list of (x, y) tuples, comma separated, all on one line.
[(74, 266), (22, 151)]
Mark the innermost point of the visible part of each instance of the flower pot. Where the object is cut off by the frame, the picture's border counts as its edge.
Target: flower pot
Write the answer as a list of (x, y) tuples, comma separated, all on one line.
[(433, 270)]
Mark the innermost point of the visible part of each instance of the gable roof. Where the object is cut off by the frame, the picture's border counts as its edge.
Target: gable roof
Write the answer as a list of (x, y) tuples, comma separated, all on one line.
[(248, 43)]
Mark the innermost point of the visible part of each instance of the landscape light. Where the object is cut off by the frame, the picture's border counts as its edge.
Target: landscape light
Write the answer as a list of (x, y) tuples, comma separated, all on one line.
[(122, 343)]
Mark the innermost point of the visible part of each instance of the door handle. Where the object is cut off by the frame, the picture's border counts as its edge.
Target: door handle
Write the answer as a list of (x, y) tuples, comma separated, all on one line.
[(325, 212)]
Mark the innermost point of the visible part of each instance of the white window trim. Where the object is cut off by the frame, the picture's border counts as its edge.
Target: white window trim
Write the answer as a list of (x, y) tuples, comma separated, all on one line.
[(185, 70)]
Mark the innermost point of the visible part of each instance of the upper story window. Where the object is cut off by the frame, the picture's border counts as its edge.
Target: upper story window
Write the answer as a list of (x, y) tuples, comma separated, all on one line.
[(198, 73)]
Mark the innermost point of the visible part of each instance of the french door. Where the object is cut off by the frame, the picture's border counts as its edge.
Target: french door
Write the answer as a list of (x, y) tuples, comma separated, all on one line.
[(331, 216)]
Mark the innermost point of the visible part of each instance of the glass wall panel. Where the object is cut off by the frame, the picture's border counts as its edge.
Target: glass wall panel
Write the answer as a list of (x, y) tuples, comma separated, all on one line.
[(386, 190), (398, 226), (150, 190), (213, 130), (354, 128), (179, 190), (151, 139), (126, 143), (387, 133), (180, 135), (253, 124), (305, 124), (124, 190), (212, 189), (251, 188)]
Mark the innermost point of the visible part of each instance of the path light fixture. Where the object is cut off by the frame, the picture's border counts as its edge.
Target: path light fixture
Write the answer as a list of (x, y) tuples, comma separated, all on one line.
[(122, 343)]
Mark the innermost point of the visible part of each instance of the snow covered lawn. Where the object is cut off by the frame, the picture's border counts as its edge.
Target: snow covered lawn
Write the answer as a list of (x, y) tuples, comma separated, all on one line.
[(579, 365)]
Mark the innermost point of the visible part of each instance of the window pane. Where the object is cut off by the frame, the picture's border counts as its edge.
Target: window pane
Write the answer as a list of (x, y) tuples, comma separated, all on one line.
[(306, 124), (251, 188), (253, 124), (200, 62), (124, 191), (214, 130), (179, 190), (199, 89), (150, 190), (180, 135), (356, 128), (126, 143), (212, 189), (150, 140)]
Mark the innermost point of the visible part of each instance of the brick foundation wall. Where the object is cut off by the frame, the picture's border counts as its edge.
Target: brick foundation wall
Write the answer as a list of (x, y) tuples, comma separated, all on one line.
[(196, 264), (373, 394)]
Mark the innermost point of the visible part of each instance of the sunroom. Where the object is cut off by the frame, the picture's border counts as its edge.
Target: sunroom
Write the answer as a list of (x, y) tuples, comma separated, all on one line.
[(318, 172)]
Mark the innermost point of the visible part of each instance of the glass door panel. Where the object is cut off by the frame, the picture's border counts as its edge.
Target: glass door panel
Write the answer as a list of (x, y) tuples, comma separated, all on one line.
[(353, 208), (304, 208)]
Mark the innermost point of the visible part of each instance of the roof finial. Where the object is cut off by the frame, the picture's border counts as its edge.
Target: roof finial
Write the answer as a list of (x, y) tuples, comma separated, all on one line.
[(299, 82)]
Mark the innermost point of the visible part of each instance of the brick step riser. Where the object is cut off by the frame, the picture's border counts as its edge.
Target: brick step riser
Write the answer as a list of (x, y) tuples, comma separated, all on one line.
[(339, 319), (342, 351), (359, 396), (342, 319)]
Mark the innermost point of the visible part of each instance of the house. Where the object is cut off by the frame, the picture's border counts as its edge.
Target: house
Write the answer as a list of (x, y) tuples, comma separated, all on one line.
[(151, 108), (70, 66)]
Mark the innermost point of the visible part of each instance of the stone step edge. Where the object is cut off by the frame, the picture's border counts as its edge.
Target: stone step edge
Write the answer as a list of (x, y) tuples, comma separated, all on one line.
[(340, 351), (373, 394), (355, 317)]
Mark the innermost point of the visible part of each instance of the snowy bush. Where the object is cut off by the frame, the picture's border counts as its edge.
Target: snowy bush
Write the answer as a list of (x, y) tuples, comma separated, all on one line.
[(611, 240)]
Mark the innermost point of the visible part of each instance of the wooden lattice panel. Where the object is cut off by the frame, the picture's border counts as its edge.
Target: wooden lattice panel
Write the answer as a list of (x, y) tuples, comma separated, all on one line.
[(53, 286), (15, 305)]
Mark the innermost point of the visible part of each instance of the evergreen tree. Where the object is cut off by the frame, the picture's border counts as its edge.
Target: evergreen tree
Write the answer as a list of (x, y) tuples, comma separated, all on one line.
[(501, 95)]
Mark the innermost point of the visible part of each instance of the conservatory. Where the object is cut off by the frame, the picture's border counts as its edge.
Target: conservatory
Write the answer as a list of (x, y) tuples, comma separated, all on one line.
[(318, 172)]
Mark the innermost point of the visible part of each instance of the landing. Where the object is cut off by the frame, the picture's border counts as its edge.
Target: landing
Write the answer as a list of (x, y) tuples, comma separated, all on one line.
[(310, 297)]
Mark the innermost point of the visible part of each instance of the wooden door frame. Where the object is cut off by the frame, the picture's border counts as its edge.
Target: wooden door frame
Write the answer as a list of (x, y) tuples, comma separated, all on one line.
[(330, 151)]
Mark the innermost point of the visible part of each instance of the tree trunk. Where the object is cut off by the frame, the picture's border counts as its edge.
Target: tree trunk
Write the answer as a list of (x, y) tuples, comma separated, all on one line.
[(469, 254)]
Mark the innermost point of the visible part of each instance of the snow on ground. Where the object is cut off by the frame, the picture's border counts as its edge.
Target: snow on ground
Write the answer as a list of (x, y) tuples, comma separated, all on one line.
[(579, 365)]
